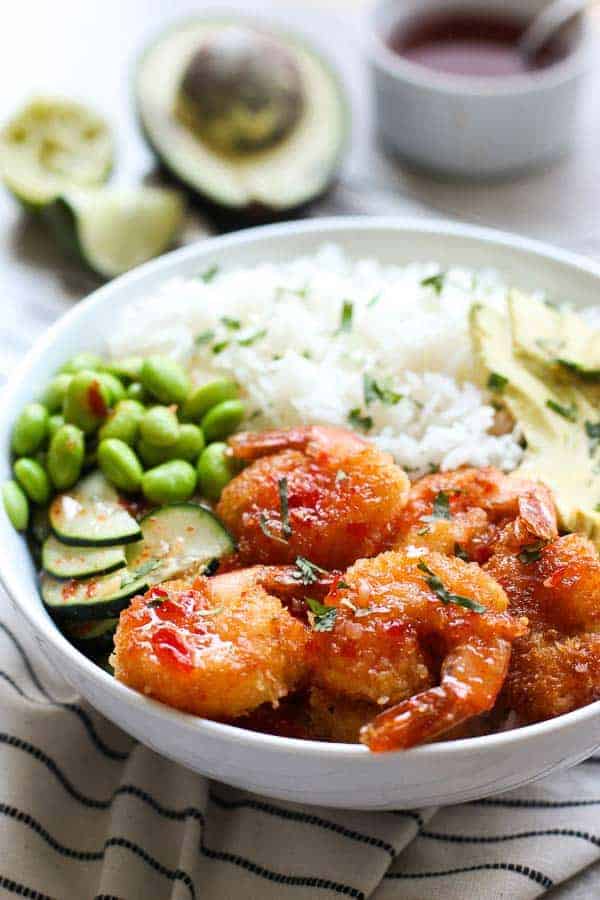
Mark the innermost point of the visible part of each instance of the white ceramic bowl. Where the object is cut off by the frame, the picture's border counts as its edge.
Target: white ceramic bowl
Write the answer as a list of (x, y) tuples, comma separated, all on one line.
[(303, 771), (466, 126)]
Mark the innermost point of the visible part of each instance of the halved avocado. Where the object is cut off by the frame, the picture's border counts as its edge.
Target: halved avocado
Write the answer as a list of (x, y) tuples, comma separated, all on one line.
[(269, 176)]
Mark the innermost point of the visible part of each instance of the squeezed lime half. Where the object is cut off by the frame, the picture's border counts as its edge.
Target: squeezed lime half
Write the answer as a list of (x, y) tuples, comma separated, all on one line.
[(114, 229), (52, 145)]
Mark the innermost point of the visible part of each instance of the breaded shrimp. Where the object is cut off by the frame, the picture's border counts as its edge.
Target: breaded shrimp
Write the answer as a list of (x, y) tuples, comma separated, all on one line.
[(464, 510), (555, 668), (427, 638), (343, 497), (218, 648)]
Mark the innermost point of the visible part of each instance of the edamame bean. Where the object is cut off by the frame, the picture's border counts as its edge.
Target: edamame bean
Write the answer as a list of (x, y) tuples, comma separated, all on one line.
[(65, 456), (120, 465), (33, 479), (137, 391), (128, 368), (54, 423), (87, 401), (222, 419), (171, 482), (165, 379), (188, 446), (30, 429), (202, 398), (54, 395), (159, 426), (16, 505), (115, 387), (215, 470), (84, 360), (123, 422), (150, 455)]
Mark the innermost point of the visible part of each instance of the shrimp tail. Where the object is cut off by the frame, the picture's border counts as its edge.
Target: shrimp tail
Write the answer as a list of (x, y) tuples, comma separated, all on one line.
[(537, 512), (472, 677)]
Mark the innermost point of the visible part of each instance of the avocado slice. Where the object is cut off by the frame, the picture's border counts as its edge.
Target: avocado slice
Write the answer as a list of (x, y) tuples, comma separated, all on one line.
[(267, 182), (560, 423)]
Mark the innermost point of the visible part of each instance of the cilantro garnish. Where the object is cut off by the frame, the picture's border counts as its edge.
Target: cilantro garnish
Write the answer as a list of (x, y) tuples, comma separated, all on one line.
[(131, 575), (496, 382), (252, 338), (204, 337), (346, 317), (208, 274), (218, 348), (374, 299), (531, 552), (324, 616), (307, 570), (592, 429), (461, 553), (232, 324), (286, 528), (441, 508), (211, 567), (342, 585), (567, 412), (373, 391), (443, 594), (434, 281), (356, 417), (584, 374)]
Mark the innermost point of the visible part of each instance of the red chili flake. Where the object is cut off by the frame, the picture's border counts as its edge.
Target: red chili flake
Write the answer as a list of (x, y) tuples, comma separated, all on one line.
[(96, 400)]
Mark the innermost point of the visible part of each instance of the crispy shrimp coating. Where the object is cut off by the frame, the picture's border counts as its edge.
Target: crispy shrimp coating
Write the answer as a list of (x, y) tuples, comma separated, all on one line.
[(463, 511), (218, 648), (556, 667), (343, 497), (405, 638)]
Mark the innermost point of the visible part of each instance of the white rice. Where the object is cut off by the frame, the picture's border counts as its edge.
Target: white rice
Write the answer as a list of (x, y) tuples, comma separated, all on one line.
[(295, 365)]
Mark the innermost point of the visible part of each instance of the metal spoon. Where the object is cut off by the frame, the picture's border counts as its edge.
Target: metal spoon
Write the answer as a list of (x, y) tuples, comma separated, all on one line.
[(547, 23)]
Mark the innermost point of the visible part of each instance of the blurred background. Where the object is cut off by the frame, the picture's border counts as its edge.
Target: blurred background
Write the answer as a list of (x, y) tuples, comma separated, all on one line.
[(87, 51)]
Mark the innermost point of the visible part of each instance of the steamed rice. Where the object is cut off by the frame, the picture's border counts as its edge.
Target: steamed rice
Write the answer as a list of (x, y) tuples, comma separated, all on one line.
[(279, 329)]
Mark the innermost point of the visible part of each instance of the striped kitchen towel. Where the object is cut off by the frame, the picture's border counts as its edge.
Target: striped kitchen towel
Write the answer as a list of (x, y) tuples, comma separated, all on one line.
[(89, 813)]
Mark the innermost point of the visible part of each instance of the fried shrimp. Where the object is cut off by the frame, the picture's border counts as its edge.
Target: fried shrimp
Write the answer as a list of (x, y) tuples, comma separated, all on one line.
[(219, 648), (463, 511), (556, 667), (426, 638), (322, 493)]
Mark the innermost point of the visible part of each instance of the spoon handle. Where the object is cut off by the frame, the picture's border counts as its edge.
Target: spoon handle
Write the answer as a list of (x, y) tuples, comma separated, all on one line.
[(549, 21)]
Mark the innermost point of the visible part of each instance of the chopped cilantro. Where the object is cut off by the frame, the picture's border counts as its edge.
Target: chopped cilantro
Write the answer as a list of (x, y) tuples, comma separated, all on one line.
[(286, 528), (373, 391), (443, 594), (567, 412), (461, 553), (346, 317), (323, 616), (211, 567), (218, 348), (250, 339), (356, 418), (308, 570), (208, 274), (585, 374), (531, 552), (592, 429), (441, 508), (374, 299), (232, 324), (342, 585), (131, 575), (435, 281), (204, 337), (496, 382)]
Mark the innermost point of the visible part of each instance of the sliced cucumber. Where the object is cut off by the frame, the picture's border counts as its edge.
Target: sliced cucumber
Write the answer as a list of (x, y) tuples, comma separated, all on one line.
[(182, 537), (90, 516), (92, 598), (64, 561), (114, 229), (93, 635)]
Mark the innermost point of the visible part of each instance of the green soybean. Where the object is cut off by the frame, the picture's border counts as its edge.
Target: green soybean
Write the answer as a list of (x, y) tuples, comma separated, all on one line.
[(33, 479), (202, 398), (123, 422), (215, 470), (65, 456), (16, 505), (30, 429), (171, 482), (114, 386), (87, 401), (159, 426), (54, 394), (54, 423), (150, 455), (89, 361), (165, 379), (137, 391), (220, 421), (127, 369), (120, 465), (188, 446)]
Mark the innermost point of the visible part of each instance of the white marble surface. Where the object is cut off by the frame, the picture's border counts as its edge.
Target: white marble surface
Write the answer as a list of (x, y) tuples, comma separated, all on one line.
[(86, 49)]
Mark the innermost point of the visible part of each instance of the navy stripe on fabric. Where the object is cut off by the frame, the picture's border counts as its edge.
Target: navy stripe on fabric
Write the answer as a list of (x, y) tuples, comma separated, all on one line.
[(482, 839), (21, 890), (533, 804), (518, 869)]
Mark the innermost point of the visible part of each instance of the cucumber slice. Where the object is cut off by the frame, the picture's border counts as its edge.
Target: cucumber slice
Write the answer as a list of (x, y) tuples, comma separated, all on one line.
[(92, 598), (64, 561), (182, 537), (95, 635), (90, 516), (52, 145), (114, 229)]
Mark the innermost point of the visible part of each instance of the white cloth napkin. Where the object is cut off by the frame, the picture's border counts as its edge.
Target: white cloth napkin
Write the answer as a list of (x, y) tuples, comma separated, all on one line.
[(86, 812)]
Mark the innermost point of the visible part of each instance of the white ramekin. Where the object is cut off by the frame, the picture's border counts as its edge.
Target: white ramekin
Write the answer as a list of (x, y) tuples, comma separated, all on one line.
[(472, 127)]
